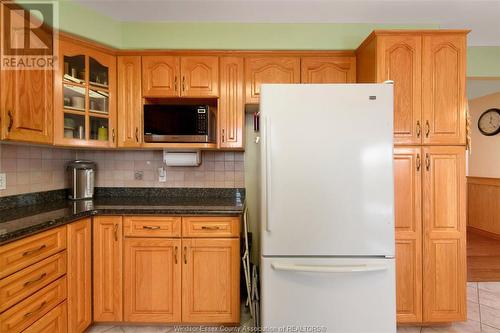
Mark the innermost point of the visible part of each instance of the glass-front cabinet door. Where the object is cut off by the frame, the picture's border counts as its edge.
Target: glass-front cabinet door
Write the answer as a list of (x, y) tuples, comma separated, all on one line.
[(85, 94)]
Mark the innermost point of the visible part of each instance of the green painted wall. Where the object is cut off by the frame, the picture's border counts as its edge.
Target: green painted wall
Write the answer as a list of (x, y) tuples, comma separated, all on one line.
[(82, 21), (249, 36), (483, 61)]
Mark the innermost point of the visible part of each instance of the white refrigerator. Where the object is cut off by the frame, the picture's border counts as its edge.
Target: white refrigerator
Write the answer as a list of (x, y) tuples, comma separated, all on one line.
[(327, 212)]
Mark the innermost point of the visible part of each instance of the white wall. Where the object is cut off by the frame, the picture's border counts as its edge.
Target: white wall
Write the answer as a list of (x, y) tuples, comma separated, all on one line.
[(484, 160)]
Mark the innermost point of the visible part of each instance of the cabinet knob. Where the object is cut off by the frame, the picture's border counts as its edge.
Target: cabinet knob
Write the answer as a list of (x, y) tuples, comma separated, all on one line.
[(113, 134), (115, 232), (427, 128), (183, 83), (137, 134), (185, 255), (175, 254), (427, 162), (418, 129), (175, 83), (418, 162)]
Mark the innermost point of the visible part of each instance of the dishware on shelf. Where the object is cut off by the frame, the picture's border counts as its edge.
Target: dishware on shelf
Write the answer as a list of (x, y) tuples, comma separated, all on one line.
[(78, 102), (102, 133)]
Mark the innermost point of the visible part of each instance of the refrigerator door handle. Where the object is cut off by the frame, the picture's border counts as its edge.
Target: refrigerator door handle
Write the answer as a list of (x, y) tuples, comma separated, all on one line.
[(268, 171), (329, 268)]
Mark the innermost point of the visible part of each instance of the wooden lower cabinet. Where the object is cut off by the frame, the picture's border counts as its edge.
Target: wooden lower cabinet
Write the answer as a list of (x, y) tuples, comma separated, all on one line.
[(55, 321), (108, 269), (210, 280), (79, 276), (444, 244), (152, 277), (430, 234), (408, 222)]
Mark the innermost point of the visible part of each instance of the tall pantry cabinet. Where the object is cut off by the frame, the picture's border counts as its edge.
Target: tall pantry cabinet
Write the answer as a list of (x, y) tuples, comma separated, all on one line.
[(428, 70)]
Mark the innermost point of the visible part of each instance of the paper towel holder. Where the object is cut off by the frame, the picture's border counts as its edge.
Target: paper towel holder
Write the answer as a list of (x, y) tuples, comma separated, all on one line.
[(179, 158)]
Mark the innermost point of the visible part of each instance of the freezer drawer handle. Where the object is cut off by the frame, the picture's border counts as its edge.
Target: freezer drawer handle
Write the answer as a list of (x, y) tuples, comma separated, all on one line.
[(329, 268)]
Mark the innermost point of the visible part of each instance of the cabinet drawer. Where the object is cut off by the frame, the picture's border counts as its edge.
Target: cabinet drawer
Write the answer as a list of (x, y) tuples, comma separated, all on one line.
[(55, 321), (25, 252), (152, 226), (210, 226), (25, 313), (20, 285)]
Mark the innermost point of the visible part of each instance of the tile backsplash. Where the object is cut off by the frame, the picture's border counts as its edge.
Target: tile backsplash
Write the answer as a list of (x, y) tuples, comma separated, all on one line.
[(118, 169), (34, 168)]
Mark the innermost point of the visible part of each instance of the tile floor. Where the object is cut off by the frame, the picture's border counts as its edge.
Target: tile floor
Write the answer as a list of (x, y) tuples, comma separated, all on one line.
[(483, 305), (483, 312)]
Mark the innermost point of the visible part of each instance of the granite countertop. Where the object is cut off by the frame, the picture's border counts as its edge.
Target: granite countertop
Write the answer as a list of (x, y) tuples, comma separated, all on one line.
[(33, 216)]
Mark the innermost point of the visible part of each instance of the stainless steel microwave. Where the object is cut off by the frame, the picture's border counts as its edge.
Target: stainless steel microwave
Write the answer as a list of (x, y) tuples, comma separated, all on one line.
[(179, 123)]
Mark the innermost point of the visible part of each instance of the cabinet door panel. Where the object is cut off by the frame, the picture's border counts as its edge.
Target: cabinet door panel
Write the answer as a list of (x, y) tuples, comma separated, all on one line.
[(408, 221), (27, 105), (160, 76), (79, 275), (210, 281), (400, 59), (231, 103), (107, 242), (328, 70), (259, 70), (200, 76), (443, 76), (152, 280), (129, 102), (444, 263)]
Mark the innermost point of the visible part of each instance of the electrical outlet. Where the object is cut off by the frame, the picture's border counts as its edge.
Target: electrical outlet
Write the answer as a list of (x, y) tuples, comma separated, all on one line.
[(3, 181), (139, 175), (162, 175)]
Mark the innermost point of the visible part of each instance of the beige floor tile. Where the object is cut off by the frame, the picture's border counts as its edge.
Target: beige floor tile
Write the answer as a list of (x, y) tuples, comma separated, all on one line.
[(408, 329), (490, 286), (98, 328), (488, 329), (490, 316), (473, 311), (462, 327), (472, 294), (491, 299)]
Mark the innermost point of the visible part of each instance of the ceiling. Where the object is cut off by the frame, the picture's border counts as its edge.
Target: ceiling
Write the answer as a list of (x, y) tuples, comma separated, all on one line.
[(482, 17)]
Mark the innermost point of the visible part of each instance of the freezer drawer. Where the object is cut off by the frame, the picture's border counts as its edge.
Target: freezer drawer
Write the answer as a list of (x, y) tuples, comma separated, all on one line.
[(328, 295)]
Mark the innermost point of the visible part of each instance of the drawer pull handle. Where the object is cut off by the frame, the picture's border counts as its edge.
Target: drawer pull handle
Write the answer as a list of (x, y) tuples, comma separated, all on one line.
[(115, 232), (28, 314), (151, 227), (185, 255), (27, 283), (175, 254), (30, 252), (206, 227)]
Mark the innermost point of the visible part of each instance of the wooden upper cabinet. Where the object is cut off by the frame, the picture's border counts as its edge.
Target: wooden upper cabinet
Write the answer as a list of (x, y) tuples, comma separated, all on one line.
[(200, 76), (129, 101), (85, 97), (152, 280), (210, 280), (400, 60), (408, 221), (444, 246), (443, 76), (160, 76), (79, 275), (108, 270), (231, 103), (328, 70), (27, 105), (259, 70)]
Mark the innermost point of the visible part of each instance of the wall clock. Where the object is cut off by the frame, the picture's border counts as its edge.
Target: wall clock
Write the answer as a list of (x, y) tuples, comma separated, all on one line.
[(489, 122)]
